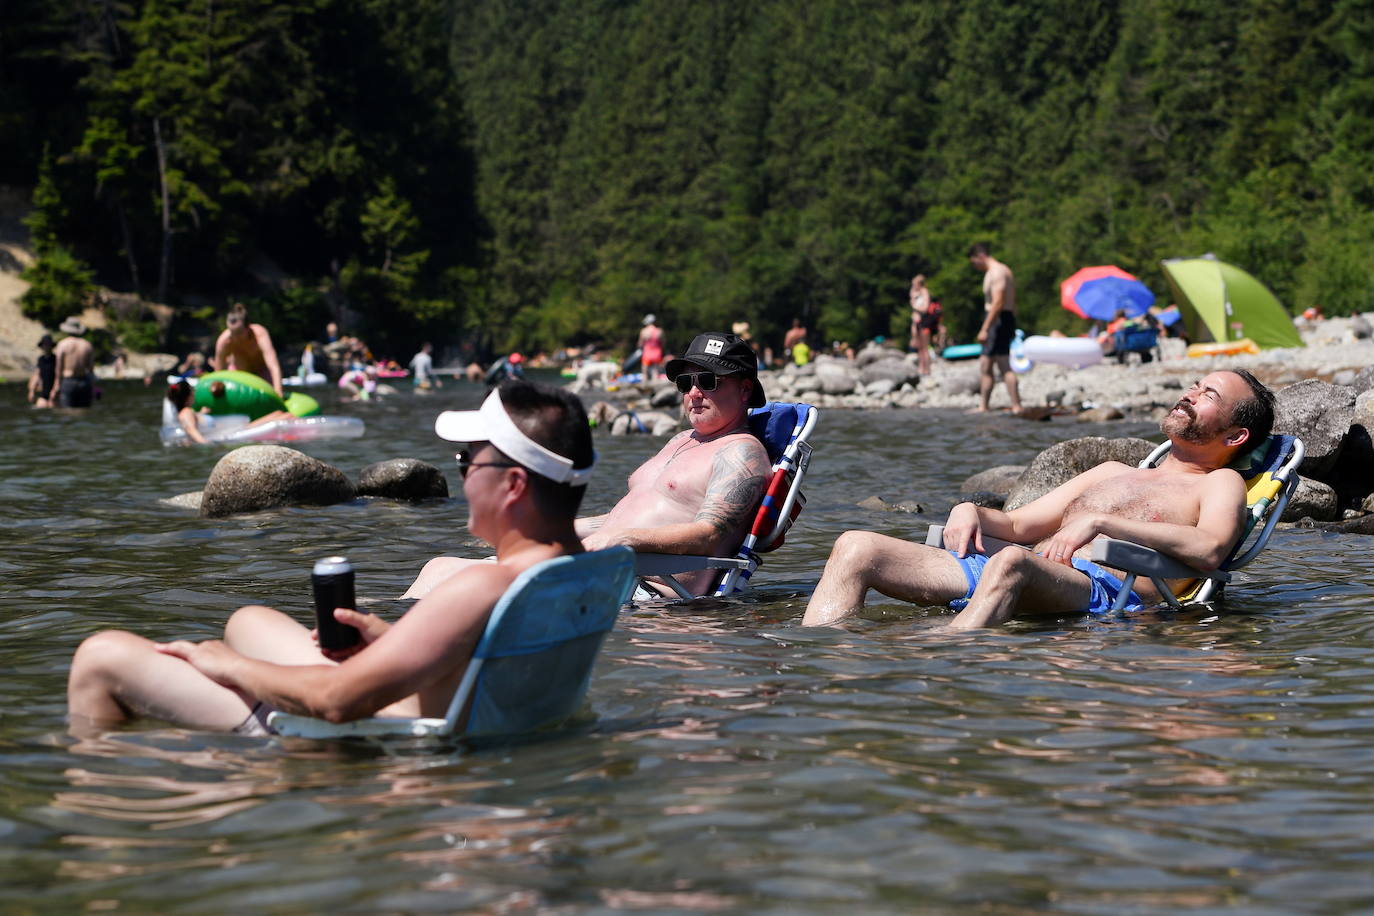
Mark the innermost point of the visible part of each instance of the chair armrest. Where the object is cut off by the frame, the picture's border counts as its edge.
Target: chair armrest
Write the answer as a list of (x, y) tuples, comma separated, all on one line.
[(668, 564), (294, 726), (1146, 561)]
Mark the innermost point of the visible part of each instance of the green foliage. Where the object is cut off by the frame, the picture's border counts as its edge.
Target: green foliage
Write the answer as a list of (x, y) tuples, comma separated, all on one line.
[(530, 175), (49, 214), (142, 336), (59, 285), (294, 313)]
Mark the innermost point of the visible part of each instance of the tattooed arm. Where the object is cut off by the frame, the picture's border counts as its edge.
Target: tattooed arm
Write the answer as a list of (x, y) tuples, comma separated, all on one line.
[(738, 474)]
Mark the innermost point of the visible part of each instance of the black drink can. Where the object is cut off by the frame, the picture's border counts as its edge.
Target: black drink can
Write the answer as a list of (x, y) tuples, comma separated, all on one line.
[(332, 581)]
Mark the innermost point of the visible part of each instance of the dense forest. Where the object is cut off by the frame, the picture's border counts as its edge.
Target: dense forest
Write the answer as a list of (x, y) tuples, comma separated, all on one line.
[(544, 173)]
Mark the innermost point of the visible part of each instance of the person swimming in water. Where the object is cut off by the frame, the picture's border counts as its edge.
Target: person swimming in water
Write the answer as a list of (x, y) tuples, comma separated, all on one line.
[(182, 398)]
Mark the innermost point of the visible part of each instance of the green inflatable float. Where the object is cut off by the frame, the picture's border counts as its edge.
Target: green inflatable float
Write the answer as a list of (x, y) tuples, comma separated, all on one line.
[(245, 393)]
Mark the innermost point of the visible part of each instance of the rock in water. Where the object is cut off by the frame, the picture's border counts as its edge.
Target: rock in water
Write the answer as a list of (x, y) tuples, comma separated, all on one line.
[(1319, 413), (999, 480), (403, 478), (265, 476), (1062, 462), (1312, 499)]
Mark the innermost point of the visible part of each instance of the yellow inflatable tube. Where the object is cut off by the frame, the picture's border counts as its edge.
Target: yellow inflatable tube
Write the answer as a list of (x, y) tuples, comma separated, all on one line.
[(1224, 348), (245, 393)]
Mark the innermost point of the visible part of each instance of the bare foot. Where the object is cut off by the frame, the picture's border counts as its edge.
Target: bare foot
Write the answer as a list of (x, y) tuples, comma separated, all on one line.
[(977, 410)]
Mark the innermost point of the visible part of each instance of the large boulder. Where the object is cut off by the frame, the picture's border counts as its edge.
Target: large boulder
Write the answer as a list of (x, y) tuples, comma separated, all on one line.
[(1063, 461), (1312, 499), (265, 476), (651, 422), (403, 478), (1363, 381), (960, 381), (1364, 524), (872, 353), (999, 480), (1321, 415), (836, 376), (1353, 473), (666, 396), (892, 369)]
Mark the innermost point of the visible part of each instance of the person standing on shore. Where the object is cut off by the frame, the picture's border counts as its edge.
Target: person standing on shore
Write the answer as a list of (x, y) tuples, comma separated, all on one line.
[(795, 335), (247, 347), (999, 326), (921, 326), (74, 369), (650, 347)]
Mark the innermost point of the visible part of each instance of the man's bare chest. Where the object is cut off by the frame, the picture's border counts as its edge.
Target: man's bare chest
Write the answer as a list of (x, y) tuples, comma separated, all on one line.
[(1142, 496)]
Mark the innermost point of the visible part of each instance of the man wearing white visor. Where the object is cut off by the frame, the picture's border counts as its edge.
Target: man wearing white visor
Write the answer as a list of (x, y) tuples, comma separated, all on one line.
[(526, 467), (698, 494)]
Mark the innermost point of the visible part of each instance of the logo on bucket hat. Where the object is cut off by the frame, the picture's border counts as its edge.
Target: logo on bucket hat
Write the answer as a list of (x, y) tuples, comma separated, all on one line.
[(724, 354)]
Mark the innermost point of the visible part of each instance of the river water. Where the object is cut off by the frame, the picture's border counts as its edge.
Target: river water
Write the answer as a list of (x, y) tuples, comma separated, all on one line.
[(1217, 760)]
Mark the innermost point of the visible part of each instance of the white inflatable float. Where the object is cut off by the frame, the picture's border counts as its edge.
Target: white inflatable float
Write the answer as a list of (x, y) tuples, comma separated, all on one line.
[(1075, 352), (229, 429)]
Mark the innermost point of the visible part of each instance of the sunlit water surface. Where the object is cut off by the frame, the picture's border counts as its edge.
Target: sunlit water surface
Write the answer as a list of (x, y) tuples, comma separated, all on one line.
[(1220, 759)]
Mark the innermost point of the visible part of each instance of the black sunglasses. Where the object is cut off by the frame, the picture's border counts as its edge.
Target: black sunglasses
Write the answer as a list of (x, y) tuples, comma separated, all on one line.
[(465, 464), (706, 381)]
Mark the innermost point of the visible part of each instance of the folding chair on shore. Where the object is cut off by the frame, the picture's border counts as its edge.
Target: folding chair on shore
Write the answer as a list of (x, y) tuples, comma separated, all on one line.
[(1271, 476), (533, 663), (784, 429), (1144, 341)]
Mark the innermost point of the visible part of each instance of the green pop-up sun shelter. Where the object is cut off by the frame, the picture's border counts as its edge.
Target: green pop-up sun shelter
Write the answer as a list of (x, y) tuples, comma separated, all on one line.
[(1221, 302)]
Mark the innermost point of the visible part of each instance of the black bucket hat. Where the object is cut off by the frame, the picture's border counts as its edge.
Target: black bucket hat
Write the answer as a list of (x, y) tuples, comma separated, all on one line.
[(723, 354)]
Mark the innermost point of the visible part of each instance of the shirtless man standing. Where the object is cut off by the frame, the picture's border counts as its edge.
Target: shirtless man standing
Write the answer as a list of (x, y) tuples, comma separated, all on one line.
[(699, 493), (999, 326), (247, 347), (74, 372), (531, 457), (1190, 507)]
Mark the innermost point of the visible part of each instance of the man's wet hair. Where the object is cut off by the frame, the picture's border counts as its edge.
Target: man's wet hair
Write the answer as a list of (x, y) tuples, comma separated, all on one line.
[(1255, 413), (555, 419), (982, 248)]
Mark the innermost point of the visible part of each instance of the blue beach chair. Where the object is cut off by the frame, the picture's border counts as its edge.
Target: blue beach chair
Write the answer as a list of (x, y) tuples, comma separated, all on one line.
[(1270, 474), (784, 429), (533, 663)]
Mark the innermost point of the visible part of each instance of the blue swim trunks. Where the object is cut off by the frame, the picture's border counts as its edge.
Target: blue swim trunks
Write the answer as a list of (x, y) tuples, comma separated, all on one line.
[(1105, 586)]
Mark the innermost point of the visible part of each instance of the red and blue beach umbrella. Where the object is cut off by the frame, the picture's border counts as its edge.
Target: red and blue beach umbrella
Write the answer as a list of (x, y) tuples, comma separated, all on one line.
[(1097, 293)]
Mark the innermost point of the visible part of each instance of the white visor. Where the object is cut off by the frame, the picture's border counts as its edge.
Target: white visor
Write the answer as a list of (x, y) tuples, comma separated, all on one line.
[(492, 424)]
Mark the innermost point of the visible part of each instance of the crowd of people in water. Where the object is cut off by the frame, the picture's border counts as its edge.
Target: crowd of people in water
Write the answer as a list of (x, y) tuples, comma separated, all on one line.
[(527, 462)]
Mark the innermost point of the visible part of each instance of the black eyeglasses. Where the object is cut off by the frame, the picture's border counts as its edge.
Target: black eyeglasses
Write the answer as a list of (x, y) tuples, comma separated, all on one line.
[(706, 381), (465, 464)]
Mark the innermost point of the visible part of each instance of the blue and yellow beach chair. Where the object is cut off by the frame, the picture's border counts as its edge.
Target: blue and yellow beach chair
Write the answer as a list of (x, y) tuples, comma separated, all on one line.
[(1271, 475)]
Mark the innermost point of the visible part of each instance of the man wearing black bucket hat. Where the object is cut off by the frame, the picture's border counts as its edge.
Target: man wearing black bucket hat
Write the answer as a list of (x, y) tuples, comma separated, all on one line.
[(698, 495)]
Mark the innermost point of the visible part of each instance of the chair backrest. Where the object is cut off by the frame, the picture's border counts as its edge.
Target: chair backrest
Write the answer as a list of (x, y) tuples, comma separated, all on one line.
[(1270, 472), (1132, 340), (534, 660), (785, 430)]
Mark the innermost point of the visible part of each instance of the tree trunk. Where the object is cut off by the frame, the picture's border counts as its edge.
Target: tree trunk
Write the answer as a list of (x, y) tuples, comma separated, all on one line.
[(128, 246), (165, 267)]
